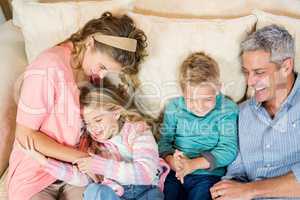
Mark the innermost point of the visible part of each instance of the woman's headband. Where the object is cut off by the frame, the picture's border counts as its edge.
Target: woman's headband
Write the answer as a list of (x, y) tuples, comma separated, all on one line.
[(124, 43)]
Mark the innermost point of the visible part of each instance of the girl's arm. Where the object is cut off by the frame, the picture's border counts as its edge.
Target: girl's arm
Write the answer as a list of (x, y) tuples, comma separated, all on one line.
[(141, 171), (66, 172), (48, 146)]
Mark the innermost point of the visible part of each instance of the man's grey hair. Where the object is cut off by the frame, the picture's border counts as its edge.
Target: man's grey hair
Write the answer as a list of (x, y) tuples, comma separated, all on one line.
[(274, 39)]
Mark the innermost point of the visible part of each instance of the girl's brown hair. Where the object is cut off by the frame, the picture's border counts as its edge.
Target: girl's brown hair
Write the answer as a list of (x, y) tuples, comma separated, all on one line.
[(107, 24)]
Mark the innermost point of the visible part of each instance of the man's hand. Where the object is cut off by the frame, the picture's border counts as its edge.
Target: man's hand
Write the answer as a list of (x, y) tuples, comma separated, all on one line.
[(232, 190)]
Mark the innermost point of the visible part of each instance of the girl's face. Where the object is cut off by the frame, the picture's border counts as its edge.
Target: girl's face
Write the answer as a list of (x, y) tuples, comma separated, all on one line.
[(200, 100), (101, 124), (97, 64)]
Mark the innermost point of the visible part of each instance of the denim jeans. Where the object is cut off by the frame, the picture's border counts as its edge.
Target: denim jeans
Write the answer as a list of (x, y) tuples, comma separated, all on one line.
[(131, 192), (195, 187)]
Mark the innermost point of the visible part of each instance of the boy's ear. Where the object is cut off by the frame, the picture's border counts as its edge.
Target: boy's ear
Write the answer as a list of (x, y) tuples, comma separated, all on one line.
[(218, 88)]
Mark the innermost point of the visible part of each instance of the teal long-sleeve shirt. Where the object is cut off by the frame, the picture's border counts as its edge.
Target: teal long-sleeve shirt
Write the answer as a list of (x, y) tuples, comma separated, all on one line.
[(213, 136)]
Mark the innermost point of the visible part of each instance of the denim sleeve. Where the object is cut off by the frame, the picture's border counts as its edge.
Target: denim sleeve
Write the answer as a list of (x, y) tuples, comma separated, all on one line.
[(165, 144)]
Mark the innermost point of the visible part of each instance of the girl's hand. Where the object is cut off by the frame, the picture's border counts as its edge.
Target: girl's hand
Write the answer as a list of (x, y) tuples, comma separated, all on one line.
[(30, 150)]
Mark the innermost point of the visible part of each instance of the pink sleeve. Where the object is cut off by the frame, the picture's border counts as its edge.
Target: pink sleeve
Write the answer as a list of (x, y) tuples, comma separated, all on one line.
[(142, 170), (36, 98), (66, 172)]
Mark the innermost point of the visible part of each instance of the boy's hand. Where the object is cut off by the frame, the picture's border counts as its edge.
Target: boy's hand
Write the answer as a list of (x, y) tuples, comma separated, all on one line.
[(172, 162), (184, 165)]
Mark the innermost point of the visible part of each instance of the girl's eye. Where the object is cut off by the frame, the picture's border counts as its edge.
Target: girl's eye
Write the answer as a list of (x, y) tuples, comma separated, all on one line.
[(98, 120), (102, 67)]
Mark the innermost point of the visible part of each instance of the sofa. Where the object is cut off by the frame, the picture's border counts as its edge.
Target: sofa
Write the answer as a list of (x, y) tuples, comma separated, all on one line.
[(175, 28)]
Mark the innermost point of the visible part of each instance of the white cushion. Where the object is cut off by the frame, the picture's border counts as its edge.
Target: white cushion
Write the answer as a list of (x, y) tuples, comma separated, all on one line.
[(170, 41), (215, 8), (291, 24), (47, 24)]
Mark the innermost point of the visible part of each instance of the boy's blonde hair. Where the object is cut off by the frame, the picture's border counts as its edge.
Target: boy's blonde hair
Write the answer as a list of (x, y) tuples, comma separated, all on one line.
[(198, 68)]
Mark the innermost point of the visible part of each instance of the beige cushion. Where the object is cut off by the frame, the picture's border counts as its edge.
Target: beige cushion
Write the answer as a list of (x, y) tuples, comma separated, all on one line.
[(3, 191), (13, 61), (291, 24), (47, 24), (215, 8), (172, 40), (16, 20)]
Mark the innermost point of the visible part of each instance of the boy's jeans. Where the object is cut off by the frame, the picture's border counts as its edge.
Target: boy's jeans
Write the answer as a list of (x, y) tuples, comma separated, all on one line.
[(195, 187), (131, 192)]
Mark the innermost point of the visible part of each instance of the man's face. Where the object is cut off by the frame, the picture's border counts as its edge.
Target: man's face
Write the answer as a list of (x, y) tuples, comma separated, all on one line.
[(262, 75)]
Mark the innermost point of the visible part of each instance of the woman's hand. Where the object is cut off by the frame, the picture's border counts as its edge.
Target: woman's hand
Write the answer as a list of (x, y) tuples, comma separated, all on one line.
[(31, 151), (84, 164)]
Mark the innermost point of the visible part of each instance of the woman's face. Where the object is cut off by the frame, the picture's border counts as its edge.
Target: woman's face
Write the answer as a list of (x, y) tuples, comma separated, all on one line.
[(101, 124), (97, 64)]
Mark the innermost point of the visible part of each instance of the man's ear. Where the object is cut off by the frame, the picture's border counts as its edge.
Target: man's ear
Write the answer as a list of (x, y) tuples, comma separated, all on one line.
[(287, 66)]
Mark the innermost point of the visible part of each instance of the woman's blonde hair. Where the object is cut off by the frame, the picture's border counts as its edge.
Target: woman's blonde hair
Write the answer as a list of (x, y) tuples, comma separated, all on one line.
[(92, 97), (121, 26), (198, 68)]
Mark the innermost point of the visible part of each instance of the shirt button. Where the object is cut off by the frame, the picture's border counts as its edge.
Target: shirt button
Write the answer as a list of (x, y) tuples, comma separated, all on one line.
[(294, 125), (268, 146), (267, 165)]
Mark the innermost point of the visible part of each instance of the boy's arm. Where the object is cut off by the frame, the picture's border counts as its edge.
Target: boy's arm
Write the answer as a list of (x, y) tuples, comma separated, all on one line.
[(167, 136), (226, 149)]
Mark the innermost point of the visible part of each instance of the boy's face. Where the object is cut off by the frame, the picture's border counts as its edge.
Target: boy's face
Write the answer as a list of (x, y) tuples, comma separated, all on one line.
[(200, 100), (101, 124)]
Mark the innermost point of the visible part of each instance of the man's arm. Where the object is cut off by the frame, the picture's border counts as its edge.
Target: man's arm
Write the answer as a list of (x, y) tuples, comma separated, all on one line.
[(282, 186)]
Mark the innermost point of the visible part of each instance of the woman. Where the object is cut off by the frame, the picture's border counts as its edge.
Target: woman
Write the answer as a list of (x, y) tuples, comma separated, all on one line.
[(49, 111)]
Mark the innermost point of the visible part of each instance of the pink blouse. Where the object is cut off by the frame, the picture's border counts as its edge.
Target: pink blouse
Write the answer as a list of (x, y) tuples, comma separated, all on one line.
[(49, 102)]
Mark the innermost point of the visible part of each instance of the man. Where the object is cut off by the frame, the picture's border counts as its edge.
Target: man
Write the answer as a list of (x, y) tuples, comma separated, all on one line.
[(268, 163)]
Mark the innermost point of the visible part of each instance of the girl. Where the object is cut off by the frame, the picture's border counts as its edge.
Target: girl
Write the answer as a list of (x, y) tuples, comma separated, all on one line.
[(126, 153), (48, 110)]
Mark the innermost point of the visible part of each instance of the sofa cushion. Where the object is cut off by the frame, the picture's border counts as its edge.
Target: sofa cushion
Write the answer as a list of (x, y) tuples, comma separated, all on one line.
[(47, 24), (13, 61), (291, 24), (3, 191), (172, 40), (215, 8)]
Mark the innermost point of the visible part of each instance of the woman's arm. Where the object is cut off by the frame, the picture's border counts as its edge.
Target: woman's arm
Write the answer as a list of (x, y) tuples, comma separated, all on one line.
[(47, 145)]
